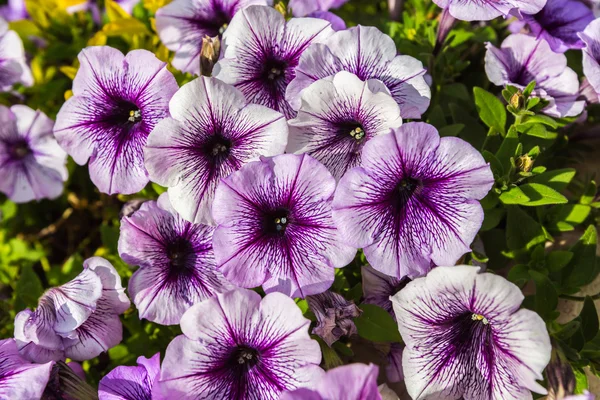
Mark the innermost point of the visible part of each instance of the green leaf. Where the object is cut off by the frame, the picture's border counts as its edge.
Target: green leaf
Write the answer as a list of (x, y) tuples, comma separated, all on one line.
[(572, 214), (589, 319), (546, 296), (514, 196), (557, 260), (507, 148), (567, 330), (557, 179), (436, 117), (529, 89), (28, 289), (377, 325), (491, 110), (540, 195), (581, 381), (492, 218), (582, 268), (538, 131), (541, 119), (495, 164), (519, 274), (110, 237), (522, 231), (588, 195), (451, 130)]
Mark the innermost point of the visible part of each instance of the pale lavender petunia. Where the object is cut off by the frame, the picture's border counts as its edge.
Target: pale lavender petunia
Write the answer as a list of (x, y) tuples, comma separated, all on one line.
[(177, 265), (335, 316), (261, 51), (32, 164), (275, 227), (485, 10), (117, 102), (522, 59), (131, 383), (591, 54), (14, 10), (182, 24), (212, 132), (413, 202), (13, 65), (19, 378), (466, 337), (339, 114), (348, 382), (239, 346), (303, 8), (369, 54), (378, 287)]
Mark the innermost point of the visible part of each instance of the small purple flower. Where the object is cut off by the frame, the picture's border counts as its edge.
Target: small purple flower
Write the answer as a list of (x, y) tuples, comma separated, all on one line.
[(237, 346), (275, 227), (13, 65), (78, 320), (117, 102), (378, 287), (559, 22), (14, 10), (348, 382), (183, 24), (393, 369), (177, 265), (485, 10), (131, 383), (335, 316), (413, 202), (32, 164), (19, 378), (369, 54), (591, 54), (261, 51), (339, 114), (466, 337), (302, 8), (522, 59), (212, 132)]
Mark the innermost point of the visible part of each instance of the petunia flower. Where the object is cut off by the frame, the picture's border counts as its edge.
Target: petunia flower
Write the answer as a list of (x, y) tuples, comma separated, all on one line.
[(13, 65), (19, 378), (339, 114), (32, 164), (335, 316), (466, 337), (369, 54), (485, 10), (78, 320), (348, 382), (393, 370), (239, 346), (14, 10), (378, 287), (261, 51), (275, 227), (177, 265), (559, 22), (413, 202), (522, 59), (182, 24), (131, 383), (117, 102), (591, 54), (212, 132), (584, 396), (319, 9)]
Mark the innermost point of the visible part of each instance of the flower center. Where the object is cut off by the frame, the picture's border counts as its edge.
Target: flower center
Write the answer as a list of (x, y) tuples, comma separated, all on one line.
[(357, 133), (274, 70), (404, 191), (19, 150), (217, 147), (479, 317), (276, 222), (135, 116), (181, 256), (222, 28), (243, 359)]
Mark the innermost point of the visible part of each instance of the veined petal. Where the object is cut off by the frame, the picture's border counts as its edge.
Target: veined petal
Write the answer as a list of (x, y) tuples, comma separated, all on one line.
[(19, 378), (131, 383)]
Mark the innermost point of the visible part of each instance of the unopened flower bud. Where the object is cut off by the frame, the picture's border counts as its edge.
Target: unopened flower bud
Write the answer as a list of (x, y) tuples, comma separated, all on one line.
[(211, 48), (282, 9), (517, 100), (560, 376), (525, 163)]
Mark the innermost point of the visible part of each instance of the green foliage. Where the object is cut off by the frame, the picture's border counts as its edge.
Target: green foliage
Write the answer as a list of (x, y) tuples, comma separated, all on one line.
[(377, 325)]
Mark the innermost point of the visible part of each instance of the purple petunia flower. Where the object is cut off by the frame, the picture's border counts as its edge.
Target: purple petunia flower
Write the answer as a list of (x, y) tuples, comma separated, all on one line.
[(378, 287), (485, 10), (131, 383), (275, 227), (319, 9), (413, 202), (13, 65), (237, 346), (369, 54), (339, 114), (591, 54), (393, 369), (559, 22), (183, 24), (14, 10), (213, 132), (32, 164), (78, 320), (117, 102), (337, 23), (261, 51), (19, 378), (335, 316), (177, 265), (348, 382), (466, 337), (522, 59)]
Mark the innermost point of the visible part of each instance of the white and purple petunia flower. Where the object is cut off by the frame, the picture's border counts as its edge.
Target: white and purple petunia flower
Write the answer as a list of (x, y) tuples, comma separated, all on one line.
[(78, 320), (131, 383), (212, 132), (591, 54), (32, 164), (319, 9), (275, 227), (335, 316), (348, 382), (378, 287), (14, 10), (261, 51), (339, 114), (177, 265), (584, 396), (182, 24), (413, 202), (13, 65), (19, 378), (369, 54), (522, 59), (239, 346), (485, 10), (466, 337), (117, 102)]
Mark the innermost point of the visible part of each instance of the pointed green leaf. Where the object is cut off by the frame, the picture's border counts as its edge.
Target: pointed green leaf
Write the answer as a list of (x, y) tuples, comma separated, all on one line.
[(546, 296), (589, 319), (377, 325), (557, 179), (491, 110), (522, 231), (582, 268)]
